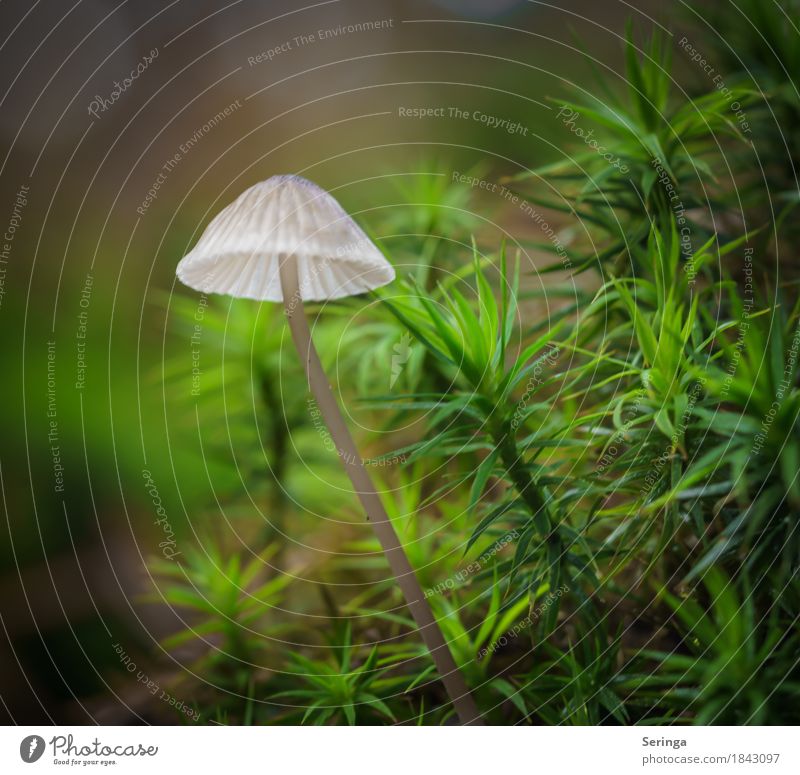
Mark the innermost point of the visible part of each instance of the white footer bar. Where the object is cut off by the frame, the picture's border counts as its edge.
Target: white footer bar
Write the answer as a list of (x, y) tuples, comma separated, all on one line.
[(401, 750)]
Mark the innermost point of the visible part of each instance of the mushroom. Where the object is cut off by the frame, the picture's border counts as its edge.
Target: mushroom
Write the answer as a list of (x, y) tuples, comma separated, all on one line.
[(286, 239)]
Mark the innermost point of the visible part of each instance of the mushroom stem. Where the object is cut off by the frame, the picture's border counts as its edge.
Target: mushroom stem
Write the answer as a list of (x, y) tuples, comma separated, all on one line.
[(376, 514)]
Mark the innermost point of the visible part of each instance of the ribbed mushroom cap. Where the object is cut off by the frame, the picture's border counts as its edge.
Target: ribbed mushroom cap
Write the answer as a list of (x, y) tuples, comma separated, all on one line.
[(241, 249)]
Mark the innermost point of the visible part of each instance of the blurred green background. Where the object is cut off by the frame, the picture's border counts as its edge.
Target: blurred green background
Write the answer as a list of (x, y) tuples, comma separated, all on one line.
[(91, 269)]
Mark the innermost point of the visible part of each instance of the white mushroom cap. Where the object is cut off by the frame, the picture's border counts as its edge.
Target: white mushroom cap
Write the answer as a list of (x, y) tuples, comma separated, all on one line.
[(241, 249)]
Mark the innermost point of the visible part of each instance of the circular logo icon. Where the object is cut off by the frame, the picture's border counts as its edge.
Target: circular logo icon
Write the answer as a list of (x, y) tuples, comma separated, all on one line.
[(31, 748)]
